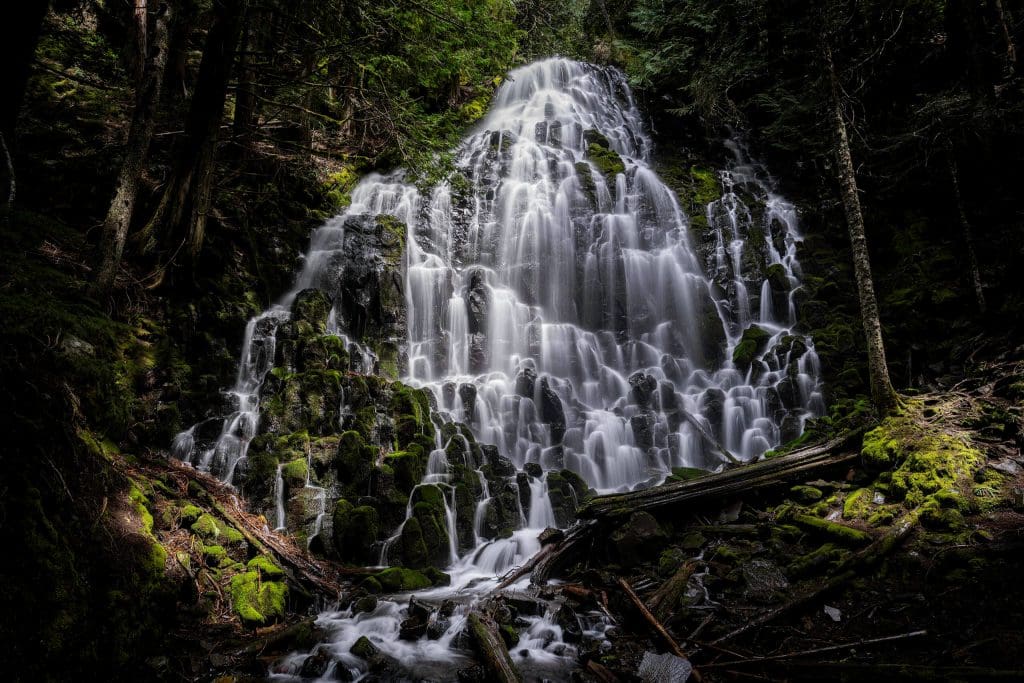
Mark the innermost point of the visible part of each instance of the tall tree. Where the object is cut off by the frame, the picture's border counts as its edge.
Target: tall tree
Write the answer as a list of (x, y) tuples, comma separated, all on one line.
[(140, 133), (882, 393), (180, 218)]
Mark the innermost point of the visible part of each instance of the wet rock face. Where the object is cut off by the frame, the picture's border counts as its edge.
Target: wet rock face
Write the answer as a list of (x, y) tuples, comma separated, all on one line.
[(638, 539), (369, 285)]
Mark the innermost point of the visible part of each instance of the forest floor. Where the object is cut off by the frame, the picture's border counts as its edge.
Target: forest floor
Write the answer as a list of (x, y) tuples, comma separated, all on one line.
[(902, 562)]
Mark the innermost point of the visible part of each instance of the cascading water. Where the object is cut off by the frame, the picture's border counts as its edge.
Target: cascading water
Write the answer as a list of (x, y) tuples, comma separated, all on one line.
[(560, 303)]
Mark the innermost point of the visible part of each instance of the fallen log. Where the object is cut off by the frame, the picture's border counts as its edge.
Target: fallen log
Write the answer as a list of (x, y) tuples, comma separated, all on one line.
[(656, 625), (491, 648), (561, 552), (665, 599), (848, 570), (740, 480)]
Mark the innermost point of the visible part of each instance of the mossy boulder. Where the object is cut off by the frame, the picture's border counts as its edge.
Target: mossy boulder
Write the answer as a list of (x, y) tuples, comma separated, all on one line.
[(402, 579), (210, 528), (408, 468), (355, 531), (312, 307), (255, 601), (602, 156), (567, 492), (266, 567), (751, 345)]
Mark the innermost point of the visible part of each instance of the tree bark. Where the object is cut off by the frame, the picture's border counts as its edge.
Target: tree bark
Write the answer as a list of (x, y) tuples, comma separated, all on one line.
[(176, 77), (968, 233), (181, 215), (882, 393), (147, 97), (1004, 23), (492, 650), (140, 20), (246, 102)]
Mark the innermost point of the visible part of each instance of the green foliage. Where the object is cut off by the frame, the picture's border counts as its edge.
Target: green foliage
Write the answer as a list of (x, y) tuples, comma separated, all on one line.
[(255, 601)]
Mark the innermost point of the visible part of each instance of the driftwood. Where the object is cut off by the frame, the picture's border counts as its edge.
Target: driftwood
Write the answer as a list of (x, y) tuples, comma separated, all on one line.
[(741, 480), (816, 651), (665, 599), (847, 571), (491, 648), (656, 625)]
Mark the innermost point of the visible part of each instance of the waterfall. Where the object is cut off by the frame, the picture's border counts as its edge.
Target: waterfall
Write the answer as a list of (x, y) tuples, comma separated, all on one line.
[(561, 303)]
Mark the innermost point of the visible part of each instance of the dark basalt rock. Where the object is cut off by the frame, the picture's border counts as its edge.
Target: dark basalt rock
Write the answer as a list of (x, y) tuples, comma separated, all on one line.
[(643, 388), (551, 411), (467, 392), (638, 539)]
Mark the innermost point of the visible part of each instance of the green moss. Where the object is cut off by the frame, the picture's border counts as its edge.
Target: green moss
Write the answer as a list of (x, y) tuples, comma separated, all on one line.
[(882, 517), (257, 602), (857, 503), (208, 528), (686, 473), (402, 579), (266, 567), (750, 346), (880, 449), (213, 555), (408, 469), (824, 557), (834, 531), (806, 494), (295, 472), (606, 160)]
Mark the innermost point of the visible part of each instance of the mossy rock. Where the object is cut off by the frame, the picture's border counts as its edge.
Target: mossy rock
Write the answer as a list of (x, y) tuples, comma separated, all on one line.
[(823, 558), (189, 514), (312, 307), (606, 161), (266, 567), (355, 530), (880, 450), (857, 503), (408, 468), (751, 345), (806, 494), (257, 602), (208, 527), (402, 579), (295, 473)]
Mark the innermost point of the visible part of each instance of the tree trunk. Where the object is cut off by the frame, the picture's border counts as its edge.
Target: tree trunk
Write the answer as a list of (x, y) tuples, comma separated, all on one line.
[(968, 232), (20, 27), (246, 102), (1011, 50), (180, 218), (140, 21), (882, 392), (147, 97), (176, 77)]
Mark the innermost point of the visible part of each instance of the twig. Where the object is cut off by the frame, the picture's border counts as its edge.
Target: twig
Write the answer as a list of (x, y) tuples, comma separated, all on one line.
[(820, 650), (656, 625)]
